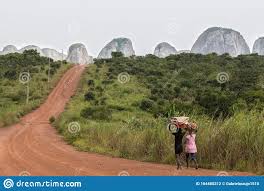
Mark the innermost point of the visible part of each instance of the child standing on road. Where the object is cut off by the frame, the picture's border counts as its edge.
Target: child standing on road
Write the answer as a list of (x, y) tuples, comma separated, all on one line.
[(190, 147)]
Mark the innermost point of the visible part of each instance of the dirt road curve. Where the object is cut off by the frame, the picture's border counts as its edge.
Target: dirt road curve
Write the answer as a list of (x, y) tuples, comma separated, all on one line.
[(34, 146)]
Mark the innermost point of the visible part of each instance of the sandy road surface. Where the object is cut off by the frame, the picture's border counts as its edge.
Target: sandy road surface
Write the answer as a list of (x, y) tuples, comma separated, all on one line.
[(34, 146)]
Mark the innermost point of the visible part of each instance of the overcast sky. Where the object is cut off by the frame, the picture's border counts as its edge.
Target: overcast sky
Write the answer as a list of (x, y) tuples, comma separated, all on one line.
[(59, 23)]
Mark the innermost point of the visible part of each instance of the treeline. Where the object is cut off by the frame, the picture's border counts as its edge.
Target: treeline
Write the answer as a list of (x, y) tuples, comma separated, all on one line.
[(205, 84), (30, 61), (17, 71)]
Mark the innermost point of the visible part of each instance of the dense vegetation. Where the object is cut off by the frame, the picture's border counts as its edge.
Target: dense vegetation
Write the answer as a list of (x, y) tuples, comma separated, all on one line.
[(14, 70), (190, 82), (123, 106)]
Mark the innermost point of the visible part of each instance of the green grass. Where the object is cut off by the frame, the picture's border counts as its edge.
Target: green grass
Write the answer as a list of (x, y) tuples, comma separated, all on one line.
[(13, 93), (234, 143)]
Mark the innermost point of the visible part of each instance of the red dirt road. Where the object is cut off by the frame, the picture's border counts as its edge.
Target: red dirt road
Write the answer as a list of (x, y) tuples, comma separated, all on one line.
[(35, 147)]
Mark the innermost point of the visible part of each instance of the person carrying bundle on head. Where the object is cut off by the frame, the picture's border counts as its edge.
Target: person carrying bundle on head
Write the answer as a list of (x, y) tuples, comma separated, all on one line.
[(176, 127), (190, 145), (178, 146)]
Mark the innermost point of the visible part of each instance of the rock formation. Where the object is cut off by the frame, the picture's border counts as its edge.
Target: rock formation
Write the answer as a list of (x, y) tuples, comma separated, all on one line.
[(53, 54), (123, 45), (259, 46), (10, 49), (220, 41), (183, 51), (78, 54), (164, 49)]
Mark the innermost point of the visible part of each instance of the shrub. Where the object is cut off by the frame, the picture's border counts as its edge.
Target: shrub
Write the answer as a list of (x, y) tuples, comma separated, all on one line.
[(90, 82), (99, 89), (117, 54), (146, 104), (97, 113), (52, 119), (89, 96)]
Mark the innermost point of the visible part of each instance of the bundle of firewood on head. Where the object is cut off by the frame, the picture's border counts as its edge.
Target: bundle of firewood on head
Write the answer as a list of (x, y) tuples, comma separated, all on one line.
[(177, 123)]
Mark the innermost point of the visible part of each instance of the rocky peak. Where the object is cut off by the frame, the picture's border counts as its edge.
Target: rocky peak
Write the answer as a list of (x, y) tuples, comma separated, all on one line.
[(10, 49), (78, 54), (123, 45), (258, 46), (164, 49), (53, 54), (221, 41)]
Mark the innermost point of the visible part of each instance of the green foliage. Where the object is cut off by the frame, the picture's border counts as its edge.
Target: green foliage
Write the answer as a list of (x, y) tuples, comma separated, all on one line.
[(117, 54), (191, 79), (90, 83), (97, 113), (13, 93), (229, 115), (89, 96), (146, 104)]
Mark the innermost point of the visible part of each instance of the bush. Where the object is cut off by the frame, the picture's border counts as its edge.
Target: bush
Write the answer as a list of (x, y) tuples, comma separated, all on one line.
[(89, 96), (99, 89), (90, 83), (97, 113), (146, 104), (52, 119), (117, 54)]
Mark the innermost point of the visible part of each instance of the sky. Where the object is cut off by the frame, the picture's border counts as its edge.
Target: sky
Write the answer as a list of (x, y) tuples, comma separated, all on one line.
[(59, 23)]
